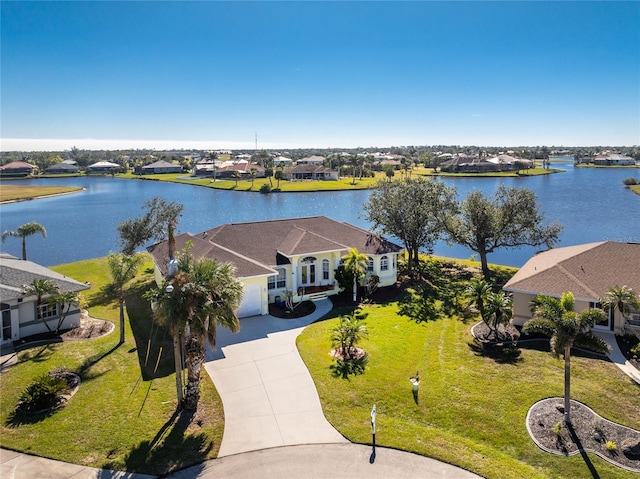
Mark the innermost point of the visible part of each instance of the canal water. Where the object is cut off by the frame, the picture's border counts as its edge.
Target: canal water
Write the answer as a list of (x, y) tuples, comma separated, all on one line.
[(591, 203)]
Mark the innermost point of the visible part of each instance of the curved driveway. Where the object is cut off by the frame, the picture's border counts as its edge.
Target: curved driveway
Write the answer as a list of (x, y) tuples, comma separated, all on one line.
[(269, 397)]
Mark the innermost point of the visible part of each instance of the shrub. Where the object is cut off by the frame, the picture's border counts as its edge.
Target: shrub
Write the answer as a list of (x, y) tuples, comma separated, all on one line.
[(611, 446), (557, 428), (636, 349), (265, 189), (42, 394), (630, 181)]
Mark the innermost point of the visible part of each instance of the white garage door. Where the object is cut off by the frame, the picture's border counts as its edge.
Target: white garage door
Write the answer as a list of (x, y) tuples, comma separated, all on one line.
[(250, 305)]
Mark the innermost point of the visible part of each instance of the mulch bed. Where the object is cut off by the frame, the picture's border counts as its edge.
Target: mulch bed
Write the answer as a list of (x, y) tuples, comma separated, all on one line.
[(303, 309), (89, 328), (588, 432), (503, 333)]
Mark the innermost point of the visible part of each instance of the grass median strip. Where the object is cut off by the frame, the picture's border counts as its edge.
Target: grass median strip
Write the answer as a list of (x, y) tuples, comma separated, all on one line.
[(23, 192)]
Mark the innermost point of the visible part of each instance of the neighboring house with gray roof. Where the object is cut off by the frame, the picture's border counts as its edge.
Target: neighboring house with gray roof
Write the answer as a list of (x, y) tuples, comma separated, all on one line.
[(161, 166), (20, 317), (298, 254), (61, 168), (587, 271), (310, 172)]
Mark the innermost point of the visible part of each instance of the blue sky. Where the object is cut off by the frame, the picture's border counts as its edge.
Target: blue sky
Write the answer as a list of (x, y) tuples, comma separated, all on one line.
[(318, 74)]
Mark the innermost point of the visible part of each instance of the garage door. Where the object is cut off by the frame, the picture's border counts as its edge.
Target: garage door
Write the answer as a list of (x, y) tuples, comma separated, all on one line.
[(250, 305)]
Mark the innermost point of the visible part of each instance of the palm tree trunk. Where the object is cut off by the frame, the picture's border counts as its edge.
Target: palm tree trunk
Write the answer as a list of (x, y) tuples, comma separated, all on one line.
[(24, 248), (355, 287), (177, 357), (194, 362), (121, 318), (567, 384)]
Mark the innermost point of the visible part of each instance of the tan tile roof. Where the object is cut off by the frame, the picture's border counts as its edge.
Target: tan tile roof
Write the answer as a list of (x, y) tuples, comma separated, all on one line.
[(587, 270)]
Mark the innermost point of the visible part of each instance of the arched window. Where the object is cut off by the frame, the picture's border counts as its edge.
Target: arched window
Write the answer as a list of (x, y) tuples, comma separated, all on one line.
[(325, 269), (384, 263), (370, 265)]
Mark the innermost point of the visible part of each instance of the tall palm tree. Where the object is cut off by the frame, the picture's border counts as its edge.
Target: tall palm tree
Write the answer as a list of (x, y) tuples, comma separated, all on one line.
[(123, 269), (204, 294), (557, 319), (27, 229), (40, 288), (622, 298), (356, 264)]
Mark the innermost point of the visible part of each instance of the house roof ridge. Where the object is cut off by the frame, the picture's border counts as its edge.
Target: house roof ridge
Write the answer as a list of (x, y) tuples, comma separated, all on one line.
[(573, 277)]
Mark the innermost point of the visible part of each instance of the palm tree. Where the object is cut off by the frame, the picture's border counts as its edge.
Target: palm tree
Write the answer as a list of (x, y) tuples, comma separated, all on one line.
[(622, 298), (40, 288), (204, 294), (356, 264), (27, 229), (123, 269), (70, 298), (557, 319), (347, 333), (253, 175), (478, 293), (500, 309)]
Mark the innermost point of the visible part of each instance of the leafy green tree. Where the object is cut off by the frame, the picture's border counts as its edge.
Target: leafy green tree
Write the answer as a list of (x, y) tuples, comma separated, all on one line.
[(40, 288), (203, 294), (355, 264), (508, 220), (350, 330), (23, 231), (557, 319), (414, 210), (123, 269), (153, 224), (622, 298)]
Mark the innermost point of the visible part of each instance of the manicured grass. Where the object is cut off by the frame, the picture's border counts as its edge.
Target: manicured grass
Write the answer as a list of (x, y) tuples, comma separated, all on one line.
[(247, 185), (19, 193), (122, 416), (472, 407)]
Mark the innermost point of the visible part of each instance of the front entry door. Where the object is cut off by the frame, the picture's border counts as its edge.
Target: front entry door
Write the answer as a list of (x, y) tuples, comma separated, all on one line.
[(6, 322), (607, 323), (308, 274)]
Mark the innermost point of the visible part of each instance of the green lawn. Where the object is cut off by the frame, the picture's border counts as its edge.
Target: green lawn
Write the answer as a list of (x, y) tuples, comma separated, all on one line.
[(122, 415), (472, 407), (23, 192)]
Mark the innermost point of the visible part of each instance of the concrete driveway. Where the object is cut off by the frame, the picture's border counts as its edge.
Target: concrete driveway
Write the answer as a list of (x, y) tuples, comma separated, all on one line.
[(269, 397)]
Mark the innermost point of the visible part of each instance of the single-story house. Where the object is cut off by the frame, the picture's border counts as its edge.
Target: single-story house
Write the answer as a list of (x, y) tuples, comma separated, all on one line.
[(243, 168), (311, 160), (20, 316), (614, 159), (60, 168), (587, 271), (161, 166), (468, 164), (298, 255), (310, 172), (17, 168), (508, 162), (103, 167), (282, 160)]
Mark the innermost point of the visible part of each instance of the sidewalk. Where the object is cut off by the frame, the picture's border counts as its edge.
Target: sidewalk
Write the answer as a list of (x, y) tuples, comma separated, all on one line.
[(617, 357)]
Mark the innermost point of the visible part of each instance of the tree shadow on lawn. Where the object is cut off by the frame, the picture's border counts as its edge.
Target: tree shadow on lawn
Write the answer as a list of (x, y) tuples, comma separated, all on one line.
[(342, 368), (154, 344), (501, 353), (173, 447)]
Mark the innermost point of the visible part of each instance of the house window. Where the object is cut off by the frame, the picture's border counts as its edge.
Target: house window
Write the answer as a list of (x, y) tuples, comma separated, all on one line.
[(47, 311), (384, 264), (325, 269), (278, 281), (370, 265)]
